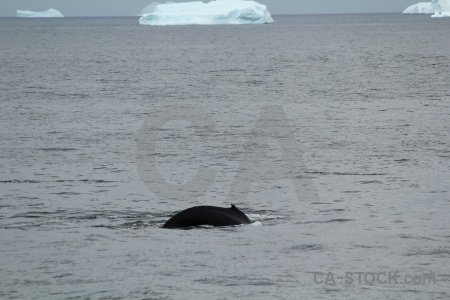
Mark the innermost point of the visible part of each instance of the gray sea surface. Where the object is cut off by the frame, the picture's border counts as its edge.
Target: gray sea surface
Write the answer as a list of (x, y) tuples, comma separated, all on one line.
[(367, 98)]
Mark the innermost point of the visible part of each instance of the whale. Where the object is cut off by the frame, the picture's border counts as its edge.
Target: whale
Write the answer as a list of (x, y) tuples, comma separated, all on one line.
[(207, 215)]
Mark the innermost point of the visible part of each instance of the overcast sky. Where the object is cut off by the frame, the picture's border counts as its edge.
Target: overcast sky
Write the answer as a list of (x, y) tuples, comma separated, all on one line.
[(133, 7)]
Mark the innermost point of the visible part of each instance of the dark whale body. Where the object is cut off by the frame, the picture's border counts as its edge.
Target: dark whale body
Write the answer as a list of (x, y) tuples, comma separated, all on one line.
[(207, 215)]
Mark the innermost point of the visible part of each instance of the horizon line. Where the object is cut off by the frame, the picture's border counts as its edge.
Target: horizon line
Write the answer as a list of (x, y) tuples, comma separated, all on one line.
[(282, 14)]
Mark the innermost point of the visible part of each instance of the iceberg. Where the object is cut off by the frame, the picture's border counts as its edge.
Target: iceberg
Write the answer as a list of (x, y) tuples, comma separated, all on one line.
[(429, 7), (51, 13), (212, 13)]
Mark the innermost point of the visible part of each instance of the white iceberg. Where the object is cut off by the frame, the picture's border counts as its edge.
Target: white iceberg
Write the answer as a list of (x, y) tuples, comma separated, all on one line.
[(199, 13), (432, 7), (51, 13)]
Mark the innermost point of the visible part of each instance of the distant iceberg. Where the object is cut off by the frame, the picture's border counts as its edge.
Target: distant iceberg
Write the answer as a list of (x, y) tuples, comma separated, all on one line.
[(212, 13), (432, 7), (51, 13)]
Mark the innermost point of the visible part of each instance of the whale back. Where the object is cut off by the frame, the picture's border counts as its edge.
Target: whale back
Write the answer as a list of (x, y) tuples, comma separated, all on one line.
[(207, 215)]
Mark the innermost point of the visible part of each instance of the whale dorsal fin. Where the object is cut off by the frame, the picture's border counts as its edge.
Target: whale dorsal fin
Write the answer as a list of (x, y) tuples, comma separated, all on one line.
[(234, 207)]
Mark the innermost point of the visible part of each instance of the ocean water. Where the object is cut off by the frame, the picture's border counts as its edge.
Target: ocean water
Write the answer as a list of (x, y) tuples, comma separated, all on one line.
[(93, 108)]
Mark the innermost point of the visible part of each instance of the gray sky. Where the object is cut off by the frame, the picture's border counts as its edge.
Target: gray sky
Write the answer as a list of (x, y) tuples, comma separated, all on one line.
[(133, 7)]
